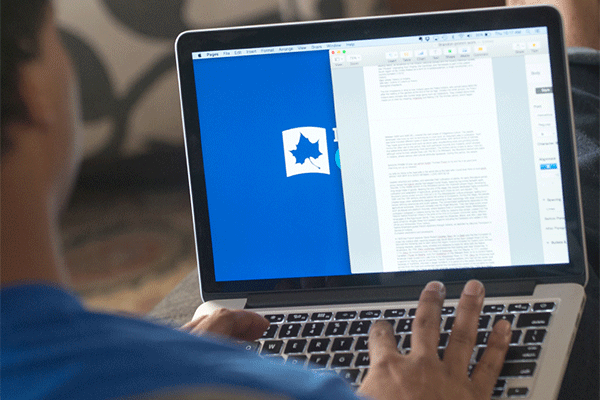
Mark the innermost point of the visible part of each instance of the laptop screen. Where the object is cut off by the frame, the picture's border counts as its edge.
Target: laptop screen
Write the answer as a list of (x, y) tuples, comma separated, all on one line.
[(381, 152), (385, 155)]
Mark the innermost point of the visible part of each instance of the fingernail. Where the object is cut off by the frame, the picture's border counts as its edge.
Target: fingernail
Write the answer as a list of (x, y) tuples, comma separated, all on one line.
[(473, 288), (436, 286)]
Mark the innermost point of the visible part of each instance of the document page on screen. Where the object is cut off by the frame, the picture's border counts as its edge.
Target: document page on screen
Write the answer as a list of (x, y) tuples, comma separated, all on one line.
[(429, 150)]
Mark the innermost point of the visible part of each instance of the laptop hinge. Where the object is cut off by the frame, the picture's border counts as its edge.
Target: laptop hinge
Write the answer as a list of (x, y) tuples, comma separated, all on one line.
[(371, 295)]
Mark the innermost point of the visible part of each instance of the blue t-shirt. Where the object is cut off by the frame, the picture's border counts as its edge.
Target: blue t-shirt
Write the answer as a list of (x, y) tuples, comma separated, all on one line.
[(53, 348)]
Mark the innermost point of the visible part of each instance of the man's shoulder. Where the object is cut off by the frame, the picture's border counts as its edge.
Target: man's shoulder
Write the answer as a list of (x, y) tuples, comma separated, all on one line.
[(84, 354)]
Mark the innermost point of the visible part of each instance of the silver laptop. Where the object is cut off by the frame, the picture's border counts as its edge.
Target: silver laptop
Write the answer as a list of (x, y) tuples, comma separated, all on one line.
[(336, 167)]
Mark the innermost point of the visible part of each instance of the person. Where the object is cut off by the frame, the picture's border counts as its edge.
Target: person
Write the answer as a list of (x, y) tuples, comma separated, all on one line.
[(52, 347)]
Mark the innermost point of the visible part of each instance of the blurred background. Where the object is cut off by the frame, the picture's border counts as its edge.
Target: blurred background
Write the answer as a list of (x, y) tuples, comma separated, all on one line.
[(128, 232)]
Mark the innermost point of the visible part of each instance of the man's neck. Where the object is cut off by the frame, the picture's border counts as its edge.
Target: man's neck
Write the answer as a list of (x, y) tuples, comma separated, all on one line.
[(30, 240)]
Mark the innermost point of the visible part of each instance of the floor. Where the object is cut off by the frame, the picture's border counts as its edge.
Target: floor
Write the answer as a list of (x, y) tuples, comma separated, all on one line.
[(127, 251)]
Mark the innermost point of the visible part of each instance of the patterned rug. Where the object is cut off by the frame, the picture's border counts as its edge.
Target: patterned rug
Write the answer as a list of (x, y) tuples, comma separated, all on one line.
[(127, 251)]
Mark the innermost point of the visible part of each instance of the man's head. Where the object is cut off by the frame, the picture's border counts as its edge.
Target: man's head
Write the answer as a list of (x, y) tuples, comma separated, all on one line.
[(20, 43), (40, 142), (39, 118)]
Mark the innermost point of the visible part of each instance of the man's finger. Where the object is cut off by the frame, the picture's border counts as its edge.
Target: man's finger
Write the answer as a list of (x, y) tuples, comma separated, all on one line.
[(240, 324), (248, 325), (220, 322), (382, 344), (488, 368), (426, 326), (464, 330)]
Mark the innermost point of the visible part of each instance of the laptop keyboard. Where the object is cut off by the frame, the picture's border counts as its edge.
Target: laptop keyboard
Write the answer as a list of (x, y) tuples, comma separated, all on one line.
[(338, 340)]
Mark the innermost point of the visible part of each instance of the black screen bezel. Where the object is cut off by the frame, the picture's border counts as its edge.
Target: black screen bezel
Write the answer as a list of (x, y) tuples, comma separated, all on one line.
[(369, 28)]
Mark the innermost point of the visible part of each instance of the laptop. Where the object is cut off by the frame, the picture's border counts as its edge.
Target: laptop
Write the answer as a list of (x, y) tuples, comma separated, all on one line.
[(336, 167)]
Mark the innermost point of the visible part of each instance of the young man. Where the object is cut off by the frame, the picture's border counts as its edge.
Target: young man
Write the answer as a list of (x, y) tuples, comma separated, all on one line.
[(52, 347)]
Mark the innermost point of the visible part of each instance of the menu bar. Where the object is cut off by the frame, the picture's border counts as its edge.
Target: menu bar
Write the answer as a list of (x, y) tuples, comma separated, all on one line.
[(447, 37)]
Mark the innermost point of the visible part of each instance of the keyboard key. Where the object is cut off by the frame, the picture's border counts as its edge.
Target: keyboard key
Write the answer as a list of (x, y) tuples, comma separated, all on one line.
[(250, 346), (447, 310), (404, 325), (506, 317), (441, 353), (531, 352), (345, 315), (493, 308), (336, 328), (295, 346), (534, 319), (362, 343), (318, 345), (520, 307), (275, 359), (342, 344), (449, 322), (319, 360), (517, 392), (499, 388), (406, 343), (534, 336), (359, 328), (297, 317), (443, 339), (484, 321), (275, 318), (544, 306), (342, 360), (398, 337), (313, 329), (289, 330), (482, 337), (322, 316), (394, 313), (362, 359), (270, 332), (351, 375), (412, 312), (299, 361), (364, 374), (272, 347), (370, 314), (519, 369), (516, 335)]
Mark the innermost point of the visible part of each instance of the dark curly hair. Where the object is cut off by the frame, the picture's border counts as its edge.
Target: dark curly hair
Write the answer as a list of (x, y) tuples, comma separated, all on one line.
[(21, 22)]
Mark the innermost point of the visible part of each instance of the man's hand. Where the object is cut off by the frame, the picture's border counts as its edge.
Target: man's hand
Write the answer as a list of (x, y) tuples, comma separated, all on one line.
[(239, 324), (421, 374)]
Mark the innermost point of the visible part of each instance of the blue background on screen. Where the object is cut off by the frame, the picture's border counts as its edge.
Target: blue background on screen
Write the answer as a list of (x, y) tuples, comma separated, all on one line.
[(265, 225)]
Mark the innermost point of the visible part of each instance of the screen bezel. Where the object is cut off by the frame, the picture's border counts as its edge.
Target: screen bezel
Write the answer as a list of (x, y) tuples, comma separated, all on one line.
[(369, 28)]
